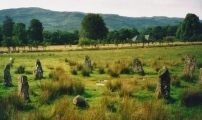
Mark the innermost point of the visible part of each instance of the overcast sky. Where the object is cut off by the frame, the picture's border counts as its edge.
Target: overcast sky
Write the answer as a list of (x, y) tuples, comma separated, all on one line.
[(130, 8)]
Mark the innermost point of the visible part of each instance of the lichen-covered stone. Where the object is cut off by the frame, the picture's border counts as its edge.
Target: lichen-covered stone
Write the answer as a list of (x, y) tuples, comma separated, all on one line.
[(163, 84), (7, 76), (38, 72), (23, 87), (137, 66), (189, 65), (87, 63), (80, 101)]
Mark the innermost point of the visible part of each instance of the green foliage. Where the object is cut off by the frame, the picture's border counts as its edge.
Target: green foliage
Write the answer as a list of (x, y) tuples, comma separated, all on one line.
[(20, 69), (20, 34), (93, 27), (101, 70), (85, 72), (35, 30), (7, 27), (74, 71), (189, 29)]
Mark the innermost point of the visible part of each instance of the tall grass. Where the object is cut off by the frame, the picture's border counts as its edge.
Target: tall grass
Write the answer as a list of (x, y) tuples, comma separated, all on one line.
[(60, 85), (10, 106), (63, 110)]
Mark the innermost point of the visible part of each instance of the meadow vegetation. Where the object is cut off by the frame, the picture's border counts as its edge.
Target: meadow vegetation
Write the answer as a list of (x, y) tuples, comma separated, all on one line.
[(125, 96)]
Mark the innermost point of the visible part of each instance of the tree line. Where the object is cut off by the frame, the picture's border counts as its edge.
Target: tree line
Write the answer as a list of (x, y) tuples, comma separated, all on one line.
[(93, 31)]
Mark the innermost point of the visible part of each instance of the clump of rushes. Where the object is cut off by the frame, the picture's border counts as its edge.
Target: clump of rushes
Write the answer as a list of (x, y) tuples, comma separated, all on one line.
[(191, 97)]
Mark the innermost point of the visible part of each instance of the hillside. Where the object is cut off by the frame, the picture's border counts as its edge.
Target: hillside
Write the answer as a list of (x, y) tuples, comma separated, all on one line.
[(70, 21)]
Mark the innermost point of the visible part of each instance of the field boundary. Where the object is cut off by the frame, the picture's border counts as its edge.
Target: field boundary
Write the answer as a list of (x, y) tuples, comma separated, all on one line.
[(98, 47)]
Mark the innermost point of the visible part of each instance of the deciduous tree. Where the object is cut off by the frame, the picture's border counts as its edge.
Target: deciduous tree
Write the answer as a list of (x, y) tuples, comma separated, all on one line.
[(93, 27), (189, 29)]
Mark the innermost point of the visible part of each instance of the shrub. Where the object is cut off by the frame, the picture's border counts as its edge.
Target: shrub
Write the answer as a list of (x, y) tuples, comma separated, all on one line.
[(66, 86), (113, 86), (154, 111), (49, 92), (109, 104), (20, 69), (126, 90), (191, 97), (79, 87), (114, 72), (94, 64), (79, 66), (10, 107), (66, 60), (63, 109), (128, 109), (85, 72), (74, 71), (199, 65), (57, 73), (126, 70), (36, 115), (101, 70)]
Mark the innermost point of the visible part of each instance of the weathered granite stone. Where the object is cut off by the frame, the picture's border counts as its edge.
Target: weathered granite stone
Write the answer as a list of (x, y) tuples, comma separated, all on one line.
[(7, 76), (23, 87), (163, 84), (38, 72), (200, 76), (87, 63), (80, 101), (189, 65), (137, 66)]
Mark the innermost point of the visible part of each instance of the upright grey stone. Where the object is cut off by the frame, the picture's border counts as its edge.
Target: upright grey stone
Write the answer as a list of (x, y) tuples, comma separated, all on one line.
[(200, 76), (7, 76), (87, 63), (80, 101), (23, 87), (137, 66), (163, 84), (189, 65), (38, 72)]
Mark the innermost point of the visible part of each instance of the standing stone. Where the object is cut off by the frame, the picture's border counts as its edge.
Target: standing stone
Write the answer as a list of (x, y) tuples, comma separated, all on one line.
[(137, 66), (7, 76), (163, 84), (80, 101), (200, 76), (87, 63), (189, 65), (38, 72), (23, 87)]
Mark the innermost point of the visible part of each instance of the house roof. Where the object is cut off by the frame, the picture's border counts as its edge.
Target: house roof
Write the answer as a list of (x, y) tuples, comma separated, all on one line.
[(147, 37)]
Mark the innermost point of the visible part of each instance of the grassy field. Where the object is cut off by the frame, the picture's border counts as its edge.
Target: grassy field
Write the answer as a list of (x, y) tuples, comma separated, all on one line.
[(127, 96)]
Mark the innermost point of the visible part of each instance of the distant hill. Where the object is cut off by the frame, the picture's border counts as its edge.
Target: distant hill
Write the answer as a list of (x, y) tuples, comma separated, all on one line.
[(70, 21)]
